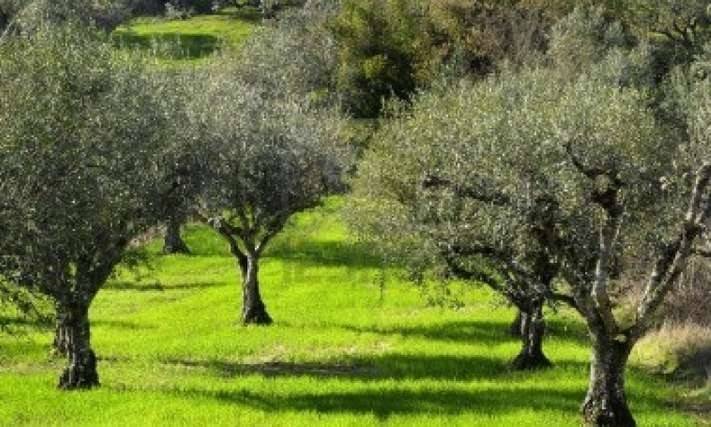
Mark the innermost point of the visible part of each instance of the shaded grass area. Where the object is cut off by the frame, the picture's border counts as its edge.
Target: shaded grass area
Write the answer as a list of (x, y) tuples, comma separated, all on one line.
[(187, 40), (340, 353)]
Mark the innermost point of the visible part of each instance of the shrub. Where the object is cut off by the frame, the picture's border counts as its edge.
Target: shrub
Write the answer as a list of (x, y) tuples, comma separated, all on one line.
[(682, 350)]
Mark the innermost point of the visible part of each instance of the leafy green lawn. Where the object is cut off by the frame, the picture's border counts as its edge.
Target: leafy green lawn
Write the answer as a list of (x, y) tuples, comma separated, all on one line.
[(344, 350), (188, 40)]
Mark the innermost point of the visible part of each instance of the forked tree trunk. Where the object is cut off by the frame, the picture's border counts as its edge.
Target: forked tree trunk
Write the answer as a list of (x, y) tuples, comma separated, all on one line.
[(173, 242), (606, 403), (533, 328), (253, 309), (80, 372)]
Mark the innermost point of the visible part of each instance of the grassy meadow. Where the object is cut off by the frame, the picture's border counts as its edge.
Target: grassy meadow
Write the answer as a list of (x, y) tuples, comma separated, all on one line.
[(187, 41), (352, 345)]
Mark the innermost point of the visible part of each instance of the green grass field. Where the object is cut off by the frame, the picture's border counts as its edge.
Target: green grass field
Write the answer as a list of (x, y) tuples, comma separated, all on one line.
[(344, 350), (190, 40)]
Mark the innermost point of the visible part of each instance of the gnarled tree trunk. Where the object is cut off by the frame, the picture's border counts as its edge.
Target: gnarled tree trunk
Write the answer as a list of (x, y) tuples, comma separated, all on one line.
[(532, 331), (173, 242), (253, 309), (80, 372), (606, 403)]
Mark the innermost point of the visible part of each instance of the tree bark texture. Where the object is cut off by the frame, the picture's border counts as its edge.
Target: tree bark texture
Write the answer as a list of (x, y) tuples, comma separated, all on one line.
[(80, 372), (173, 242), (532, 332), (253, 309), (605, 404)]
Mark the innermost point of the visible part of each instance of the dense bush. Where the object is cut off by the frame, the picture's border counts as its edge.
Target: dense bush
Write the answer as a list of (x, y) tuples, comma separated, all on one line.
[(392, 48), (294, 55), (29, 15)]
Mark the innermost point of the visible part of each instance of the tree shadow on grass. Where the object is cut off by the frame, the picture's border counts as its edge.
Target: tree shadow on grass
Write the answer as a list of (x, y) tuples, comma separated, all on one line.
[(125, 285), (326, 253), (244, 13), (386, 403), (168, 45), (372, 368), (472, 331), (121, 324), (44, 323)]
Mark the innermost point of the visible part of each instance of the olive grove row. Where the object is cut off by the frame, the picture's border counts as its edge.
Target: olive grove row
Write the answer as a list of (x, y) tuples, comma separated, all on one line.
[(558, 180)]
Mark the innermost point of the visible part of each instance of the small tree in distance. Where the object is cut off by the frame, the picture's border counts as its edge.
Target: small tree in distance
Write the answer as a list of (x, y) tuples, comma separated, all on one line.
[(268, 159)]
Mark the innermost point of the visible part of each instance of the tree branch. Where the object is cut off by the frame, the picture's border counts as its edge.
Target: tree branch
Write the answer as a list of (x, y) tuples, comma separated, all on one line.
[(608, 199), (673, 261), (704, 253), (599, 294), (470, 192), (591, 173), (227, 231)]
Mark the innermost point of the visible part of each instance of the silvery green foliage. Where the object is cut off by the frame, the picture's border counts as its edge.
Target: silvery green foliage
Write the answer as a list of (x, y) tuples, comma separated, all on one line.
[(576, 172), (584, 38), (182, 160), (294, 55), (515, 138), (80, 171), (268, 156), (33, 15)]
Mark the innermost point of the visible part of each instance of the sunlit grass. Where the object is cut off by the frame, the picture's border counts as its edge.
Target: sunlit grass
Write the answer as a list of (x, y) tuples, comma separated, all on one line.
[(187, 41), (343, 350)]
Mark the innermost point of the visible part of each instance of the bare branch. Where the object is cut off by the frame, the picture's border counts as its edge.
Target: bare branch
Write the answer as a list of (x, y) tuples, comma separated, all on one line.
[(228, 232), (599, 294), (608, 199), (704, 253), (673, 261)]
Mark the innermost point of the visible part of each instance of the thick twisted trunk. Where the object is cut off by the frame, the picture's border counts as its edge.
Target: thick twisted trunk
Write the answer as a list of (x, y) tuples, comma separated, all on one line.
[(173, 242), (533, 328), (606, 404), (80, 372), (253, 309)]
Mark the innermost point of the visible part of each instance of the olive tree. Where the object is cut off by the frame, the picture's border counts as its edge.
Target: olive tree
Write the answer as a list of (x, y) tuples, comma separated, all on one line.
[(269, 158), (578, 173), (182, 160), (639, 199), (426, 177), (685, 23), (79, 174)]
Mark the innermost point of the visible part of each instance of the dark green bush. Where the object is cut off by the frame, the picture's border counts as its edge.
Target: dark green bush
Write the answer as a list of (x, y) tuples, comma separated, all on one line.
[(391, 48)]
